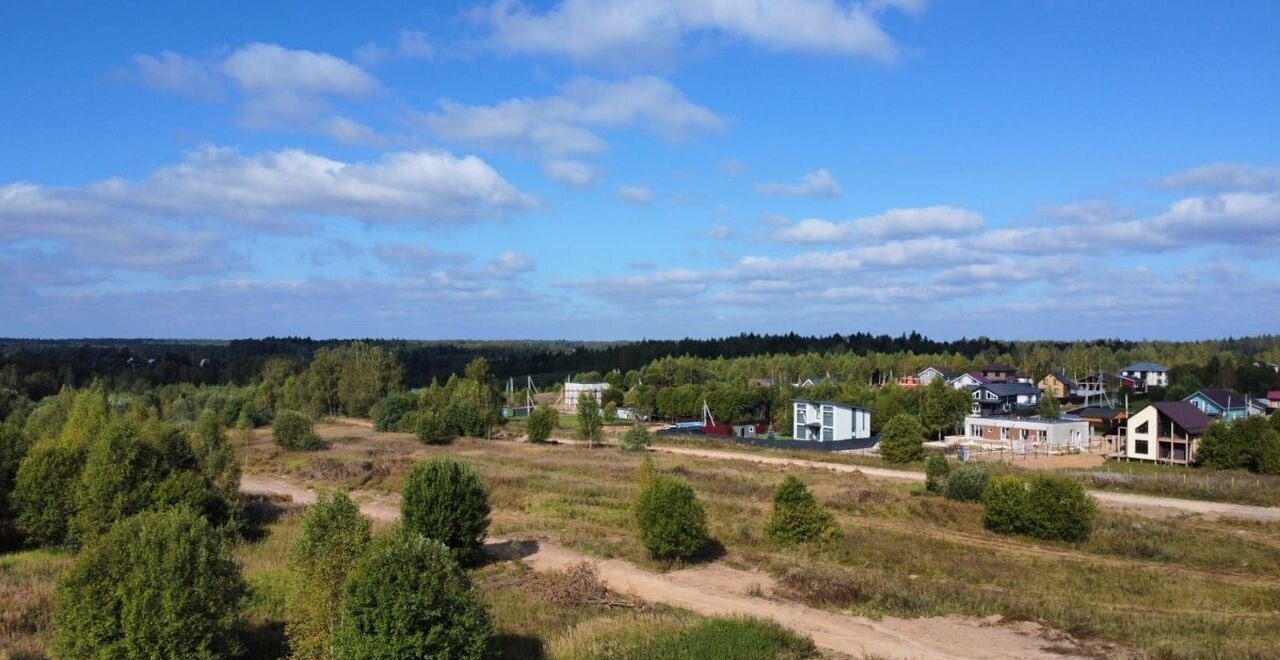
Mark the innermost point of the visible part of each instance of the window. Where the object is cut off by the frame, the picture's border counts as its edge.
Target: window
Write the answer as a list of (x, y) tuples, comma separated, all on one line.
[(1024, 434), (801, 432), (828, 416), (1142, 428), (1140, 447), (828, 434), (800, 411)]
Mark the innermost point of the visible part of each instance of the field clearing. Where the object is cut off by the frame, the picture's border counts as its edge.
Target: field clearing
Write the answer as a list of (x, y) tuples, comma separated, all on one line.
[(1178, 587)]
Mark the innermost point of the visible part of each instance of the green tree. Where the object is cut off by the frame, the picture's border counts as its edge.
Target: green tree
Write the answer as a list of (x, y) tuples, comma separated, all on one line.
[(673, 524), (366, 373), (797, 517), (391, 409), (942, 407), (408, 598), (445, 500), (1049, 407), (1247, 444), (541, 421), (902, 440), (966, 484), (610, 411), (637, 438), (334, 538), (590, 422), (1004, 505), (215, 456), (44, 490), (432, 428), (157, 585), (294, 431), (14, 444), (1058, 508), (936, 469)]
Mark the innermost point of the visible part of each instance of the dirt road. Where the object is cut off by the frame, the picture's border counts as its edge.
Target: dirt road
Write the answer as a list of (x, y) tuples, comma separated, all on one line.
[(717, 590), (1143, 504)]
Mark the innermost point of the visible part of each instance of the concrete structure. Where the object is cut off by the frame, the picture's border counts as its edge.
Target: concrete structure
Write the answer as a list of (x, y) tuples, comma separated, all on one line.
[(1223, 404), (827, 421), (573, 391), (1165, 432), (1145, 375), (1025, 434)]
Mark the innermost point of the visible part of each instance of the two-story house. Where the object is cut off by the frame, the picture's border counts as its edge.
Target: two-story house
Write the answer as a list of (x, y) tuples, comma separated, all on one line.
[(996, 372), (1145, 375), (1166, 432), (1005, 398), (826, 421), (1057, 384), (1222, 403)]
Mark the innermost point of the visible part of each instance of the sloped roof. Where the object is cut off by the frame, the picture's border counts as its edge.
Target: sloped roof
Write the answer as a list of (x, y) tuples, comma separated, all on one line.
[(1185, 415), (946, 373), (999, 368), (1145, 366), (1011, 389), (976, 375), (1095, 412), (1062, 378), (1273, 395), (1222, 397)]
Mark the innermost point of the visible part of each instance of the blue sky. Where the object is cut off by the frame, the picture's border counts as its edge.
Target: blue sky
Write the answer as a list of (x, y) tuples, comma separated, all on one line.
[(600, 169)]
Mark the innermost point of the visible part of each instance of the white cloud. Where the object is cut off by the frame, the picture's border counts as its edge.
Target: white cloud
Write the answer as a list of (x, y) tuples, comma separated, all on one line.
[(892, 224), (720, 232), (638, 195), (509, 264), (623, 34), (177, 74), (732, 166), (270, 68), (818, 183), (1226, 176), (571, 172), (1089, 212), (418, 258), (409, 45)]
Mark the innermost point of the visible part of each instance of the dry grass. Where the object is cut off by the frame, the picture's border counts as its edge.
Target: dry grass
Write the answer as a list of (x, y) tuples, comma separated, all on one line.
[(26, 601)]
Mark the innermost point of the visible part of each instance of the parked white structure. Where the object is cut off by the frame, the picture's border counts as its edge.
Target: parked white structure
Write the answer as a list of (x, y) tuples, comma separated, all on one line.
[(573, 391), (825, 421), (1025, 434)]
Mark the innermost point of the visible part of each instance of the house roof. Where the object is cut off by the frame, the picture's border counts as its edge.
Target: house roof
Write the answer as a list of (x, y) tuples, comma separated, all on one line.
[(976, 375), (1273, 395), (1145, 366), (829, 403), (1062, 378), (946, 373), (1010, 389), (1096, 412), (1222, 397), (1184, 414), (999, 368)]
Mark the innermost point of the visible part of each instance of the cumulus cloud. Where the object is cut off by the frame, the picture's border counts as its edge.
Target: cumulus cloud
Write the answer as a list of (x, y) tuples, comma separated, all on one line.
[(892, 224), (571, 172), (623, 34), (1225, 176), (510, 264), (638, 195), (178, 74), (818, 183)]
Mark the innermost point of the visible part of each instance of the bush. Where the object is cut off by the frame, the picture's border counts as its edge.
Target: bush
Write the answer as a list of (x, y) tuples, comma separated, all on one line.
[(390, 409), (1058, 508), (334, 537), (936, 469), (1246, 444), (902, 440), (672, 522), (44, 492), (294, 431), (160, 584), (540, 423), (637, 438), (14, 445), (432, 428), (966, 484), (1004, 505), (797, 517), (408, 599), (445, 501)]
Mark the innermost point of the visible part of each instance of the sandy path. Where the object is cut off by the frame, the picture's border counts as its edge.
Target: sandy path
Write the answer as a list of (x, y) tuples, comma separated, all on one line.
[(718, 590), (1142, 504)]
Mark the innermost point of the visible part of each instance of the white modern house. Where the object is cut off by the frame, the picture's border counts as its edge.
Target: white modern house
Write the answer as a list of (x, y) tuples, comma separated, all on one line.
[(573, 391), (1025, 434), (1147, 374), (967, 381), (825, 421)]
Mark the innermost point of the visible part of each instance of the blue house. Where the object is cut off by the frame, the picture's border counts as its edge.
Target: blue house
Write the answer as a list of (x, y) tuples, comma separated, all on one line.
[(1222, 403)]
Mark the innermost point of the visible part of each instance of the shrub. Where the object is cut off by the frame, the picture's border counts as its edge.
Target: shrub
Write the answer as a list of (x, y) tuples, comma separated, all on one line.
[(1005, 505), (445, 501), (44, 492), (294, 431), (1247, 444), (610, 411), (14, 445), (159, 584), (1058, 508), (432, 428), (672, 522), (902, 440), (334, 536), (390, 409), (797, 517), (408, 599), (637, 438), (936, 469), (966, 484), (540, 423)]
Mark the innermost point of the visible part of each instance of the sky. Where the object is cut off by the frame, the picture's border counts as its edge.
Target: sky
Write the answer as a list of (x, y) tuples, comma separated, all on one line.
[(600, 169)]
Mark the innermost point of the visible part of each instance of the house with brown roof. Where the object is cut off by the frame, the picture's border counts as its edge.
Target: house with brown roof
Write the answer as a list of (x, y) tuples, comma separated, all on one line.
[(1166, 432), (1057, 384), (999, 373)]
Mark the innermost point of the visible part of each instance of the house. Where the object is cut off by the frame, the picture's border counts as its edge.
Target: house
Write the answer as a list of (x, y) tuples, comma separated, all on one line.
[(1104, 421), (1165, 432), (968, 381), (811, 382), (574, 391), (1273, 399), (825, 421), (1005, 398), (1222, 403), (1023, 434), (925, 377), (1142, 376), (1058, 384), (999, 373)]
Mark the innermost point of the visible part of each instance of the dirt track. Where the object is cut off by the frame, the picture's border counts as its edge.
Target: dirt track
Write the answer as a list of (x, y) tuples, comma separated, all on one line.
[(717, 590)]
